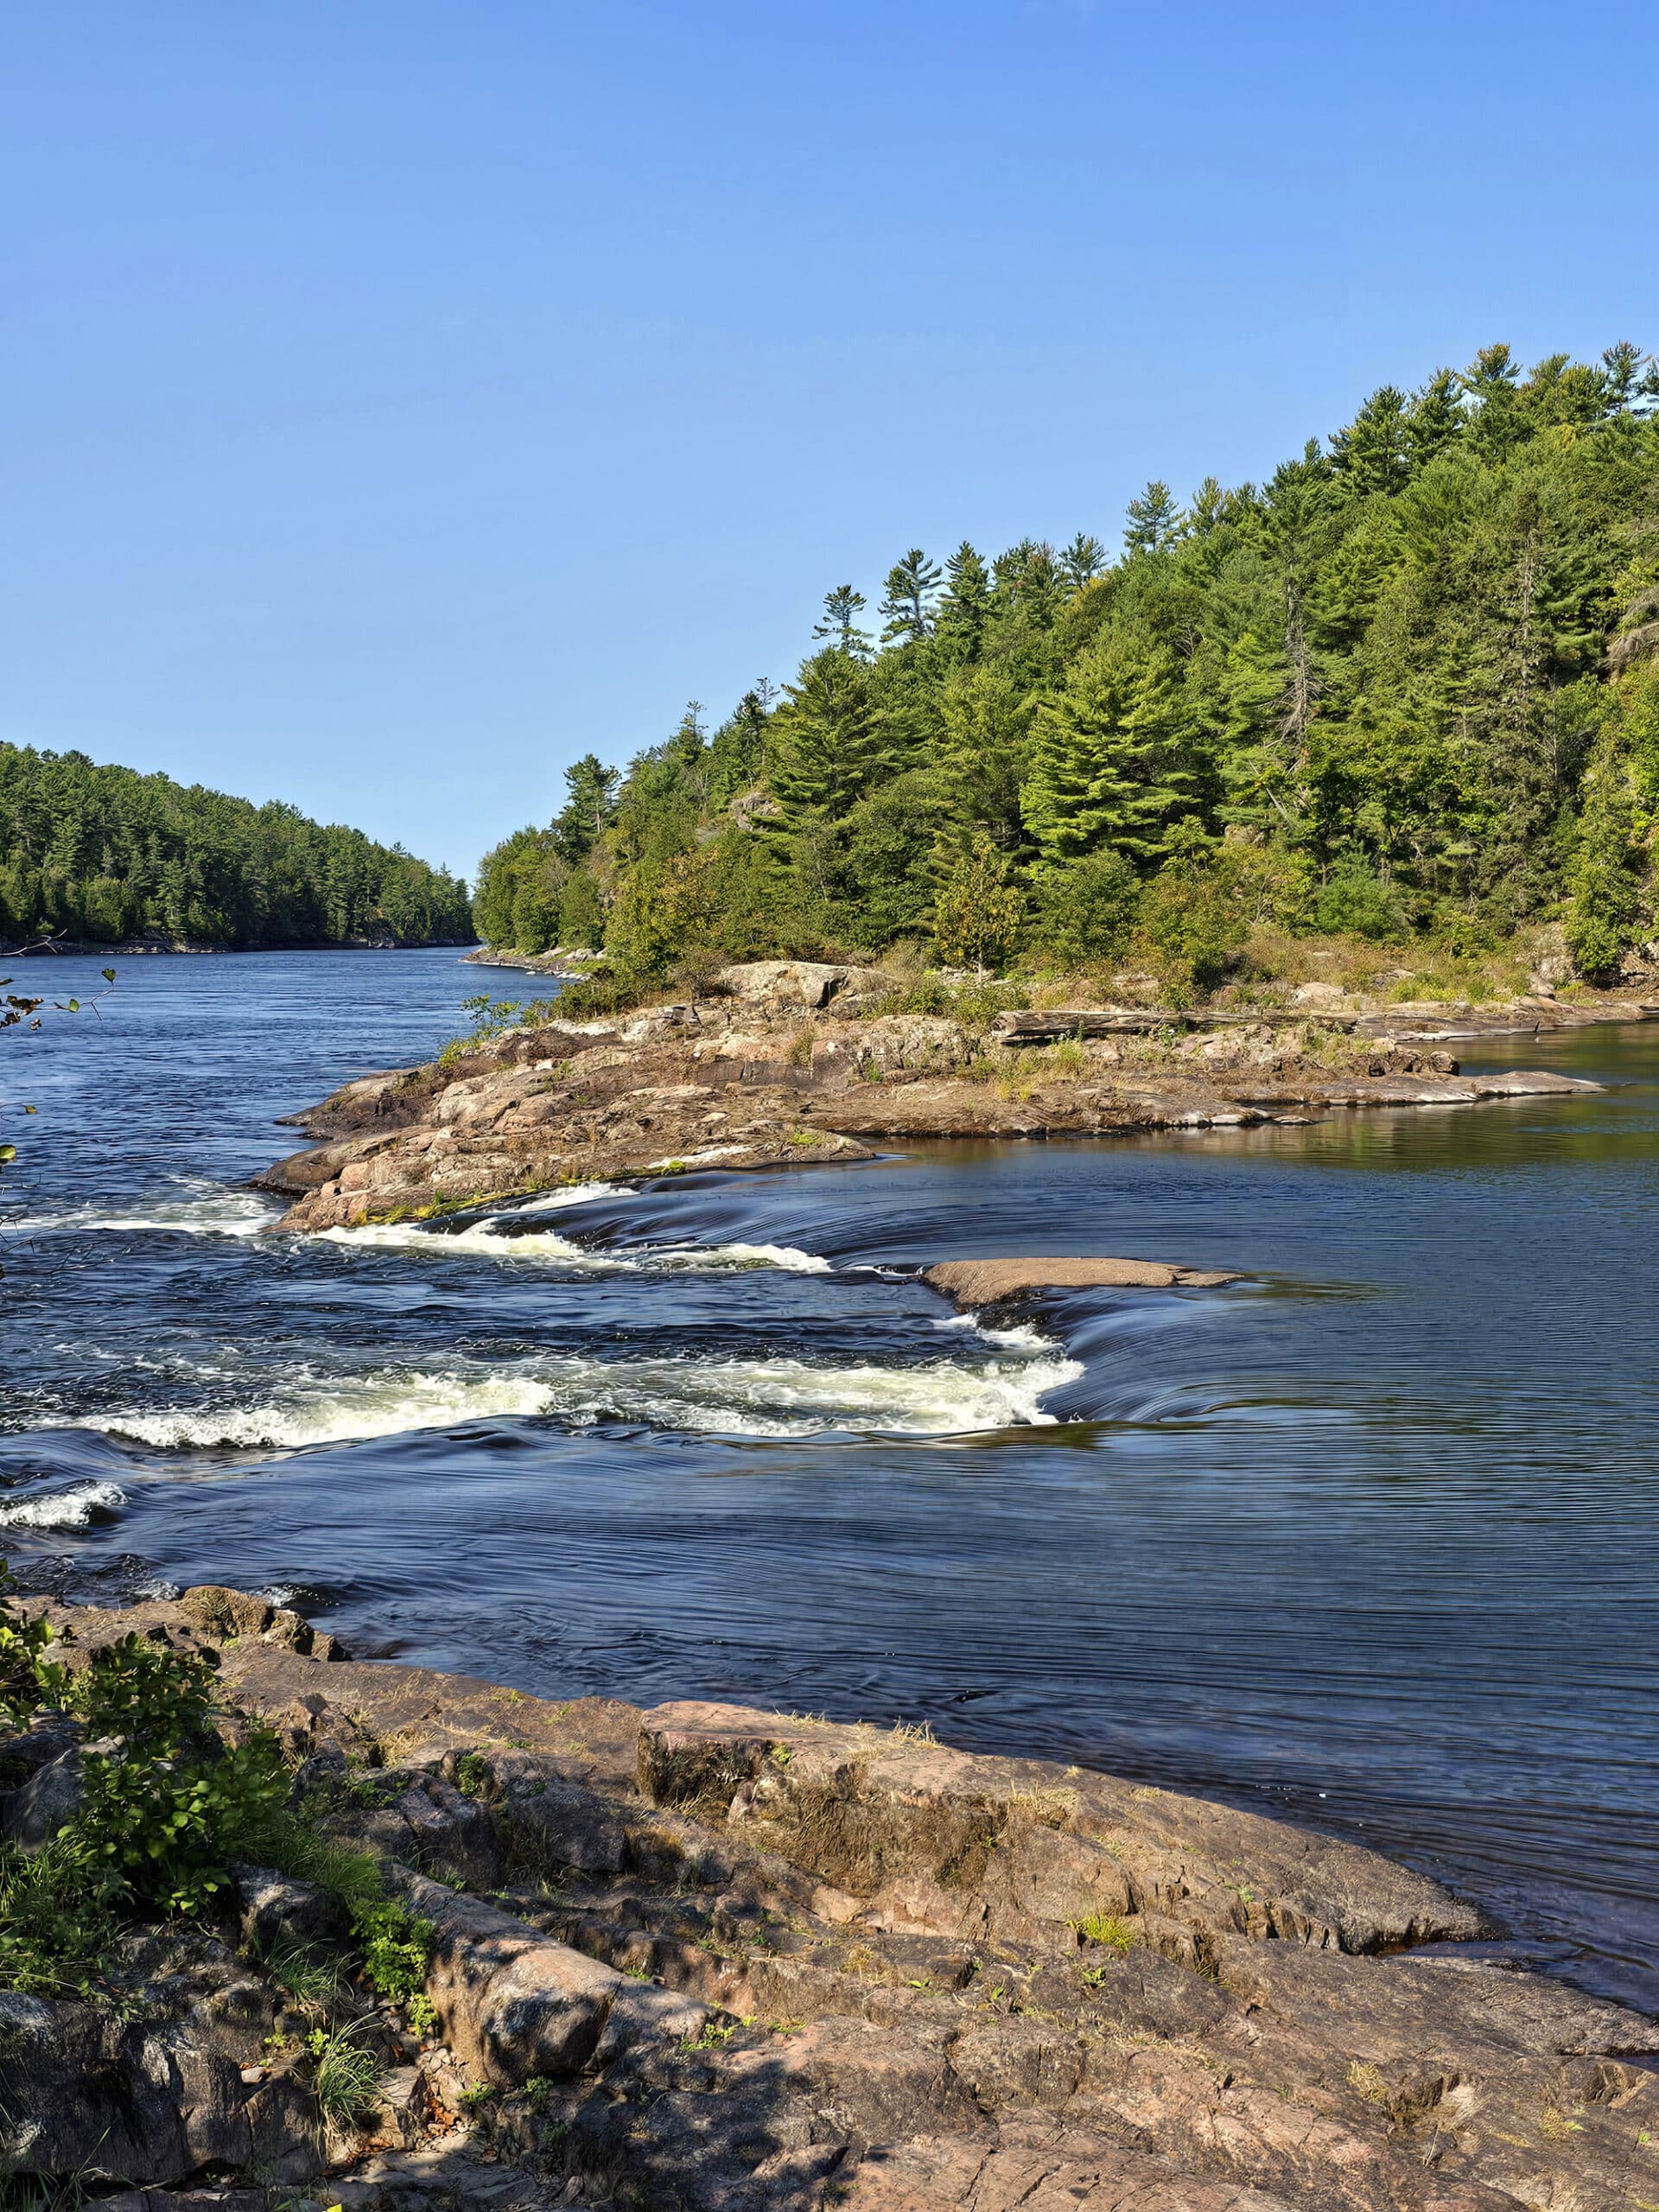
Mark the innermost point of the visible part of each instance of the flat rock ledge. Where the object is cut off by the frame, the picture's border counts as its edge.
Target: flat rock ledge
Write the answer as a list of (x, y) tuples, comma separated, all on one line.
[(715, 1958), (798, 1065), (984, 1282)]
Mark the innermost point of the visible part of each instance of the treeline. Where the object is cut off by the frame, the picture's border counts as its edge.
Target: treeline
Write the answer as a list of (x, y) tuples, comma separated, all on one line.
[(1409, 685), (103, 854)]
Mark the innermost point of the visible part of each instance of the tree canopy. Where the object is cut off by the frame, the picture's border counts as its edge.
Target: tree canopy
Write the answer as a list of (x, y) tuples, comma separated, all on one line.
[(104, 853), (1409, 682)]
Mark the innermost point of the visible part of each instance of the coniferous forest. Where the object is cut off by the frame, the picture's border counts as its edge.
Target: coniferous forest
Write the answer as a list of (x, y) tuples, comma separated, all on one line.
[(1405, 688), (101, 854)]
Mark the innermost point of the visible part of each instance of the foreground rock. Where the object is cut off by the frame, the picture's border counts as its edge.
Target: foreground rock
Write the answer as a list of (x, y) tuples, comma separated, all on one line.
[(983, 1283), (796, 1063), (737, 1960)]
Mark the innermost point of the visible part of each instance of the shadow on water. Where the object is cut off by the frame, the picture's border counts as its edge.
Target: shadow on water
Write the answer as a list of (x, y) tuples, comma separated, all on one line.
[(1367, 1539)]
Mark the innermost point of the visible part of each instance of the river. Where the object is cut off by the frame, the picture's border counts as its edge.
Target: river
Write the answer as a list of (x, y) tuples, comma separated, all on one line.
[(1367, 1539)]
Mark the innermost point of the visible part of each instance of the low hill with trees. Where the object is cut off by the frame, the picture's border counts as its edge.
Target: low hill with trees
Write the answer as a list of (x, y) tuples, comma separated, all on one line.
[(1406, 691), (99, 854)]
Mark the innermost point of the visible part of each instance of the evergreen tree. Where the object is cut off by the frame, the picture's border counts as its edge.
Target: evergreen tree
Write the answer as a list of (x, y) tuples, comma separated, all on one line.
[(1434, 420), (1152, 521), (590, 794), (965, 609), (907, 601), (827, 748), (1084, 559), (1104, 766), (842, 608), (1373, 453)]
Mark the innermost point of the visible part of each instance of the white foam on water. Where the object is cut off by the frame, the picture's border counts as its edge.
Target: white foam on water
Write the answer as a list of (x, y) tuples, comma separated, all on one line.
[(380, 1404), (211, 1209), (1022, 1337), (76, 1508), (490, 1240), (575, 1194), (778, 1397)]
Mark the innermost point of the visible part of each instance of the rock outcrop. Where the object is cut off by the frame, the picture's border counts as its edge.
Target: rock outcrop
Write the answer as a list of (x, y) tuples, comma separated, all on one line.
[(796, 1065), (738, 1959)]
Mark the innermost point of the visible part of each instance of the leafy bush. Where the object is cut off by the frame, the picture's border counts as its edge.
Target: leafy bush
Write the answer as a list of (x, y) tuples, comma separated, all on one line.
[(26, 1674), (1087, 911), (1191, 924), (1353, 902), (396, 1948), (977, 911), (975, 1006), (164, 1812), (605, 990)]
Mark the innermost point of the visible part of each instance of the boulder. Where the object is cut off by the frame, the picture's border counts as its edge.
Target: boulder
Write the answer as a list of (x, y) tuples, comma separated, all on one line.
[(982, 1282), (516, 2005), (32, 1814), (804, 983), (151, 2100), (273, 1909)]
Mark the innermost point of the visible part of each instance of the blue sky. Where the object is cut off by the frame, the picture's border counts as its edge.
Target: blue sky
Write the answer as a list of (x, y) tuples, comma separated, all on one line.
[(402, 398)]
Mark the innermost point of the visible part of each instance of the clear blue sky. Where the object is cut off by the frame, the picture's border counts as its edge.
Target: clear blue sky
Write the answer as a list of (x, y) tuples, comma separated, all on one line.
[(401, 398)]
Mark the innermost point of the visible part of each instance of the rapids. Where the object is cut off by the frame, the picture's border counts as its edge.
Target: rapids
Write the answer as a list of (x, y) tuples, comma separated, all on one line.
[(1369, 1537)]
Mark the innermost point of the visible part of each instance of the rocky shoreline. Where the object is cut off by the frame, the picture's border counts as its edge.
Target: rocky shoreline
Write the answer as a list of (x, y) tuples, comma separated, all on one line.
[(799, 1063), (711, 1956)]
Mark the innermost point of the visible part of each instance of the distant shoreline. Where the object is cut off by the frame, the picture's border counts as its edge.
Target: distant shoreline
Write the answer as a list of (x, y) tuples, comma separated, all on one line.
[(144, 948)]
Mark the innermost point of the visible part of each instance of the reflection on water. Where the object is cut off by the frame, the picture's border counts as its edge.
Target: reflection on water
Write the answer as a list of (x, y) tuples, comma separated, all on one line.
[(1368, 1537)]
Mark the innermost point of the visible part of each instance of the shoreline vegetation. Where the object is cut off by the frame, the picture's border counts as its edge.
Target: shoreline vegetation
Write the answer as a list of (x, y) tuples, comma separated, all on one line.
[(365, 1935), (99, 858), (1402, 696)]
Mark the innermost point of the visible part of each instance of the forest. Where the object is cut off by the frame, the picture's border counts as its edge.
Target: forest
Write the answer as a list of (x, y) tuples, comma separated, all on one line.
[(101, 854), (1405, 688)]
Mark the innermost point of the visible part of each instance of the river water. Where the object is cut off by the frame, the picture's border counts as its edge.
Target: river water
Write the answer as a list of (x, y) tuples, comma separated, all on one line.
[(1369, 1538)]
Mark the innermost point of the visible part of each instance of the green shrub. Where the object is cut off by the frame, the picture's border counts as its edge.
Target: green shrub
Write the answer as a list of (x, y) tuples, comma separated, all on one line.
[(165, 1811), (28, 1679), (605, 990), (1087, 911), (56, 1928), (1192, 924), (1354, 902), (396, 1948)]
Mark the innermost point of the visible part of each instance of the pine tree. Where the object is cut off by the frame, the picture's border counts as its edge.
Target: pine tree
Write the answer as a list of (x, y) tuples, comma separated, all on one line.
[(959, 631), (842, 608), (1104, 766), (1083, 560), (907, 601), (1152, 521), (826, 750), (590, 795), (1434, 420), (1373, 453)]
